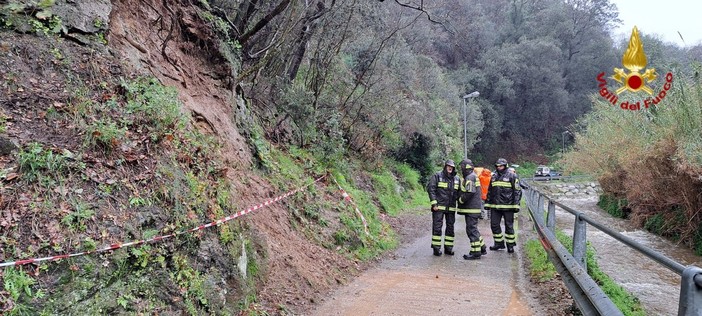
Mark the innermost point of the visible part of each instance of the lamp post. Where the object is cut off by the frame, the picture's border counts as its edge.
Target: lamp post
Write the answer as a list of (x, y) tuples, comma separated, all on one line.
[(465, 126), (564, 134)]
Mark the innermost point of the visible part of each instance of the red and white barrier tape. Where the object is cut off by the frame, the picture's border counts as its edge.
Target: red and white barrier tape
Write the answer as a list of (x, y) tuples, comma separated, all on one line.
[(159, 238), (347, 197)]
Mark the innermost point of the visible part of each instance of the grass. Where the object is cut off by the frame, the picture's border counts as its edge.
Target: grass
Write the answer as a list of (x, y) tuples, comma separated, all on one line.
[(187, 188), (526, 169), (35, 162), (18, 285), (154, 106), (540, 267), (106, 134), (398, 188), (191, 281), (285, 171), (386, 189), (380, 238), (76, 220)]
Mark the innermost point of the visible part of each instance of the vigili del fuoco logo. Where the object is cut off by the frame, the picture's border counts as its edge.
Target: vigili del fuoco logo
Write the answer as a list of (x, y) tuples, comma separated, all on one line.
[(635, 61)]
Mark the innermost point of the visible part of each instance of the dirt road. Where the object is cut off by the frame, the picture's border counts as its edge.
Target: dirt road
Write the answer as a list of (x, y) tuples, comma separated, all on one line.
[(415, 282)]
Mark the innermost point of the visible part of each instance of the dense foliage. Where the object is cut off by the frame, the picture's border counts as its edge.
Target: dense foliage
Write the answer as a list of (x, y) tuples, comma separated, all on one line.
[(372, 78)]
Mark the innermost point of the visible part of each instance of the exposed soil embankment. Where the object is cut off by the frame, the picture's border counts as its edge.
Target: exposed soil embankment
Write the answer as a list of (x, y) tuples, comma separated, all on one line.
[(180, 49), (65, 94)]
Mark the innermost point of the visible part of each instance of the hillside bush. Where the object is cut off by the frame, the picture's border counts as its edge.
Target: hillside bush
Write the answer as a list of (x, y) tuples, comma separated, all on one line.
[(651, 158)]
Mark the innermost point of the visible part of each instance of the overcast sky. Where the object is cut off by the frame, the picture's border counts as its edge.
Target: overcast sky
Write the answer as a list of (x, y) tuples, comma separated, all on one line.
[(664, 18)]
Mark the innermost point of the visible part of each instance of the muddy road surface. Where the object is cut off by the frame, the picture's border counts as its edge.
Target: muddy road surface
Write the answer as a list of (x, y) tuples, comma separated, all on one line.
[(415, 282), (657, 287)]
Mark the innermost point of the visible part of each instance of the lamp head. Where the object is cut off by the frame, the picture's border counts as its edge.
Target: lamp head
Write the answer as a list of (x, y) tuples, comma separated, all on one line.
[(471, 95)]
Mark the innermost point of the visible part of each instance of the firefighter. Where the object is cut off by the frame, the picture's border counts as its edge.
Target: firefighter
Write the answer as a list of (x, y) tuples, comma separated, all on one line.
[(443, 190), (503, 198), (485, 175), (469, 203)]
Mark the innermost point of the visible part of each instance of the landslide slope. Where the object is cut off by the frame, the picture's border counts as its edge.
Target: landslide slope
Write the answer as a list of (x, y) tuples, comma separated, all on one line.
[(121, 121)]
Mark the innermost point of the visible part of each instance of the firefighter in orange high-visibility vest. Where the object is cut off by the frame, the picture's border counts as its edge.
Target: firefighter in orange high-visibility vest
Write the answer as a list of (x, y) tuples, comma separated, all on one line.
[(485, 175), (443, 190)]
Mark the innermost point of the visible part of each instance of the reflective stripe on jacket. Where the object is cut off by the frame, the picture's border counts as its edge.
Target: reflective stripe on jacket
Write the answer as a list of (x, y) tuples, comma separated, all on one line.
[(443, 189), (504, 192), (469, 200)]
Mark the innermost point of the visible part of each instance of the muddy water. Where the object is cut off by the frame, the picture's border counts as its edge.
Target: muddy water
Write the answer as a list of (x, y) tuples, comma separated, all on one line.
[(657, 287)]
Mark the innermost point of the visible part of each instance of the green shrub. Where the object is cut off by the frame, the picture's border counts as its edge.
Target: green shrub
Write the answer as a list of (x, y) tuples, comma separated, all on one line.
[(76, 220), (612, 205), (697, 241), (154, 106), (380, 236), (34, 161), (648, 154), (526, 169), (417, 152), (18, 284), (105, 133), (408, 177), (655, 224)]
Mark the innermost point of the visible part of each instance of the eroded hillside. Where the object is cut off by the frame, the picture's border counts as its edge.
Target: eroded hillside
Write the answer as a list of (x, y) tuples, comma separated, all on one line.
[(129, 126)]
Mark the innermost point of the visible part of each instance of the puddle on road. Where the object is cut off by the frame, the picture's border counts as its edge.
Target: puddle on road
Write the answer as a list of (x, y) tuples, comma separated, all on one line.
[(517, 307), (517, 304), (656, 287)]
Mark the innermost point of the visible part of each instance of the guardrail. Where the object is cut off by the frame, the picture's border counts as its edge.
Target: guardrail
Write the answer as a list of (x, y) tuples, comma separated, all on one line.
[(590, 299), (549, 178)]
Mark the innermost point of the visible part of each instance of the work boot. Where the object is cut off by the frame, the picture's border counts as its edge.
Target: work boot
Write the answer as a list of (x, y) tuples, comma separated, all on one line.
[(437, 251), (483, 250), (448, 251), (510, 248), (472, 256), (498, 246)]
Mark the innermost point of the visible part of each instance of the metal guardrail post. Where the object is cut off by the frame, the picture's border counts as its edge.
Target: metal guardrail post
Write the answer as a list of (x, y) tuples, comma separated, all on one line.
[(551, 223), (540, 207), (580, 241), (690, 293)]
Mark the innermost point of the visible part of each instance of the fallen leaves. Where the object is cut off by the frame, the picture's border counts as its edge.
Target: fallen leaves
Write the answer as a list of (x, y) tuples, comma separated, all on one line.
[(8, 218), (11, 176)]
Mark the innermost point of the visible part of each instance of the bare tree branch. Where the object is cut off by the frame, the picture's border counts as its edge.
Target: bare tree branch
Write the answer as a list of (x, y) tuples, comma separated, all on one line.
[(264, 21), (418, 7)]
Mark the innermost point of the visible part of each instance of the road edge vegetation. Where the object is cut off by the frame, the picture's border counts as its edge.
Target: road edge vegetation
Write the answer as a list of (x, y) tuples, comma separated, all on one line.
[(541, 270)]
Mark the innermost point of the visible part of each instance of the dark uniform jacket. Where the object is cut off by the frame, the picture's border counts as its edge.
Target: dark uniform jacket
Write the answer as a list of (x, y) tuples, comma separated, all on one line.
[(504, 193), (469, 200), (443, 189)]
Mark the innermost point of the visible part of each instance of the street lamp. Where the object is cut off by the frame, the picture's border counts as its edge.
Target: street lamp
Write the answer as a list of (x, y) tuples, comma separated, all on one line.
[(465, 126), (563, 134)]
